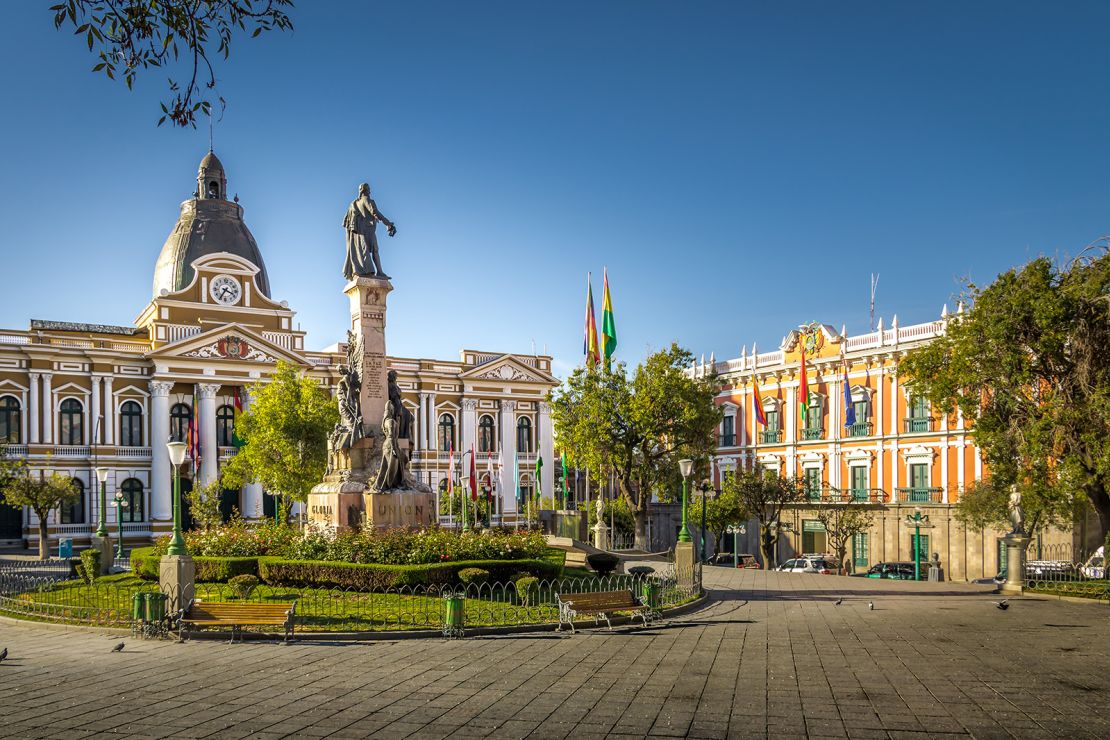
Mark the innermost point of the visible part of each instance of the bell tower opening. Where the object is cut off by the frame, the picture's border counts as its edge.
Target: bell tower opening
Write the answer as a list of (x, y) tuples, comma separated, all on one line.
[(211, 180)]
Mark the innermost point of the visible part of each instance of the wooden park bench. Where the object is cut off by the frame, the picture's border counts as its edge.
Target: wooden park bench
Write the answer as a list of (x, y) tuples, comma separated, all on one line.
[(238, 615), (600, 604)]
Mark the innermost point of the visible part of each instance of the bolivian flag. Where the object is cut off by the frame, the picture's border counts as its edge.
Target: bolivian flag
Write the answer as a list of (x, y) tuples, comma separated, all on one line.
[(589, 340), (608, 324)]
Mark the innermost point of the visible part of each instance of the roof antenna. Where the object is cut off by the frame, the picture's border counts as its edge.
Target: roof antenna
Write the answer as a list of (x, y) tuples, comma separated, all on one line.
[(874, 287)]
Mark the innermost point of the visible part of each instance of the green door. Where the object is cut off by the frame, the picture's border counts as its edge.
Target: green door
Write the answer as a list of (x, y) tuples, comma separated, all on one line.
[(919, 483), (859, 483), (813, 485), (813, 537), (860, 554)]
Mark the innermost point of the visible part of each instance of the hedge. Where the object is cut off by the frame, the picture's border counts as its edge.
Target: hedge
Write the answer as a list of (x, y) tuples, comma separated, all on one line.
[(144, 563), (374, 577), (366, 577)]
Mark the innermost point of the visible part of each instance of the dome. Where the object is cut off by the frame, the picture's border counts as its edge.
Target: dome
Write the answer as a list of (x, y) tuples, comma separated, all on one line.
[(208, 224)]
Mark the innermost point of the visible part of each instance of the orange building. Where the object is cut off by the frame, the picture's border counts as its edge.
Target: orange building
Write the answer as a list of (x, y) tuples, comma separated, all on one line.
[(897, 455)]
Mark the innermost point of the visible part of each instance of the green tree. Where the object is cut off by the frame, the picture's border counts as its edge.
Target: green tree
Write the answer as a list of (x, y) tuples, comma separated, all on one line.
[(204, 504), (842, 523), (764, 495), (1029, 367), (638, 427), (10, 467), (43, 493), (129, 35), (721, 511), (285, 437)]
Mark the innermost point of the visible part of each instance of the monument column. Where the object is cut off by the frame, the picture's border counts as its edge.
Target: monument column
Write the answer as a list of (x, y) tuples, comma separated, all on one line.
[(48, 409), (161, 475), (368, 301), (209, 450), (546, 446), (508, 454), (469, 424), (34, 420)]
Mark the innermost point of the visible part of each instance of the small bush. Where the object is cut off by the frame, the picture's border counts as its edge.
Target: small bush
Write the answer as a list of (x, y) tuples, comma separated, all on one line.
[(244, 585), (527, 589), (90, 559), (602, 562), (80, 569), (473, 576)]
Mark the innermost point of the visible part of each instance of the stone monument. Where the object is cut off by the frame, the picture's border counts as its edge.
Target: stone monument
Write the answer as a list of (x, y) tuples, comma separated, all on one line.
[(368, 482), (1017, 542)]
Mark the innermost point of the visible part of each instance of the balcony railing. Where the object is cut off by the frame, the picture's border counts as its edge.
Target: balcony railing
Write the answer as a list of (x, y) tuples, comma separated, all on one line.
[(915, 495), (860, 429), (71, 450), (17, 450), (810, 434), (833, 495), (142, 452), (726, 440), (918, 424), (770, 436)]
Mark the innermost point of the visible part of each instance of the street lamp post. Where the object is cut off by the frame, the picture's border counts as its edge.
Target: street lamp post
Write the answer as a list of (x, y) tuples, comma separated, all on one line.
[(705, 489), (736, 530), (917, 520), (102, 522), (120, 503), (177, 456), (685, 466)]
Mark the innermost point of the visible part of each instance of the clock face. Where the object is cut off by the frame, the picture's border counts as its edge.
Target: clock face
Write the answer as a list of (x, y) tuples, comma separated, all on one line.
[(225, 289)]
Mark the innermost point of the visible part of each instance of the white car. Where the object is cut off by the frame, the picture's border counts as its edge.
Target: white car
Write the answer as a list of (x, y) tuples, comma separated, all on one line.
[(808, 564)]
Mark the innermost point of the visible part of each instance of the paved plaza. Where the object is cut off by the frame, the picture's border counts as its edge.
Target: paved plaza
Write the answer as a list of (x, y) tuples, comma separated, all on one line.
[(770, 655)]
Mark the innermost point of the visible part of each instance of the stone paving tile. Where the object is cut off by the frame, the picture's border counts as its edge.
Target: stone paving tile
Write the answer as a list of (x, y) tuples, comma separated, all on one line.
[(768, 656)]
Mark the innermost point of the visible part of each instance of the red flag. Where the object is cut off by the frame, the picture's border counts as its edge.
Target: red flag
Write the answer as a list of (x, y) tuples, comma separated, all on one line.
[(473, 477), (450, 468)]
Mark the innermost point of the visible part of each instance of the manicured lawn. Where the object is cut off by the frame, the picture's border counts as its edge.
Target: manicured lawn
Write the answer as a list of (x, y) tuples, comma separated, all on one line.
[(108, 602)]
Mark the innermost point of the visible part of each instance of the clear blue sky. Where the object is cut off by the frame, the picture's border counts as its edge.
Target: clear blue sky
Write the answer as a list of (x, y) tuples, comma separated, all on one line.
[(740, 168)]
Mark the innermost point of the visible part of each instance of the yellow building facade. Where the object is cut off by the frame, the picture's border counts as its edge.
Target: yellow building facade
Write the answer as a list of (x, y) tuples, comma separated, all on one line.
[(76, 396), (898, 457)]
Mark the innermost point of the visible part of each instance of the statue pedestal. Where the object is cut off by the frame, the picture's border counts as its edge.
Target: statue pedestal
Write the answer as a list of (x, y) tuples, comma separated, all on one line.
[(107, 554), (177, 575), (405, 508), (1016, 545), (368, 299), (336, 507), (601, 536)]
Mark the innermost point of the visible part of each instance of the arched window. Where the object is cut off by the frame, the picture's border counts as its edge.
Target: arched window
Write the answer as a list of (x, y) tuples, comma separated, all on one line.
[(71, 414), (180, 417), (132, 490), (524, 434), (446, 431), (225, 426), (9, 420), (131, 425), (75, 513), (485, 433)]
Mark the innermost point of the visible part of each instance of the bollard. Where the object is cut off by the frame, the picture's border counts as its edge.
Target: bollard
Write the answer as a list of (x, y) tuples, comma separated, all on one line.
[(454, 615)]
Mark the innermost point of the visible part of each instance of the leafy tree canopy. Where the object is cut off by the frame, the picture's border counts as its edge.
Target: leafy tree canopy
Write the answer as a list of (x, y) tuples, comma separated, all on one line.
[(1029, 367), (763, 495), (129, 35), (42, 493), (285, 436), (639, 427)]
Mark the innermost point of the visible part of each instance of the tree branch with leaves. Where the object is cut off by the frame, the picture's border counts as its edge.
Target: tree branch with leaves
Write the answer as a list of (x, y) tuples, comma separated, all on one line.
[(42, 493), (130, 35), (764, 495)]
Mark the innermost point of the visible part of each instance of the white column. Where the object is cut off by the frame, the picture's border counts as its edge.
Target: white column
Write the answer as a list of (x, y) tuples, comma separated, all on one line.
[(209, 450), (433, 423), (33, 412), (469, 423), (47, 409), (110, 413), (895, 465), (422, 423), (161, 475), (546, 443), (252, 492), (508, 453), (96, 424)]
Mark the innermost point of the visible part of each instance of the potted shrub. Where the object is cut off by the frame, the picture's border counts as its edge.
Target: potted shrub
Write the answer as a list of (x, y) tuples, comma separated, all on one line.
[(602, 562)]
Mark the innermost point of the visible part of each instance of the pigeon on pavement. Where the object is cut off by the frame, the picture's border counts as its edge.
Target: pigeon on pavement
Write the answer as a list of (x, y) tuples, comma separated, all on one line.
[(871, 605), (1003, 605), (118, 648), (839, 601), (3, 655)]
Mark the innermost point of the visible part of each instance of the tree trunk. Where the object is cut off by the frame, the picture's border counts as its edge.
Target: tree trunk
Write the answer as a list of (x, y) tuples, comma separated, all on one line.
[(1096, 494), (767, 543), (641, 519), (44, 544)]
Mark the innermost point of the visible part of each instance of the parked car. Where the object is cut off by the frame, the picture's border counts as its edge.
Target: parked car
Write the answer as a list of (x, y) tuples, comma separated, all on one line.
[(725, 559), (820, 565), (898, 571), (1056, 570), (1095, 564)]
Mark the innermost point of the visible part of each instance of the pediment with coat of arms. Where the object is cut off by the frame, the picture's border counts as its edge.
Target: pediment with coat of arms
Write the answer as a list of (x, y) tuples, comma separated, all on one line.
[(506, 372), (231, 347)]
